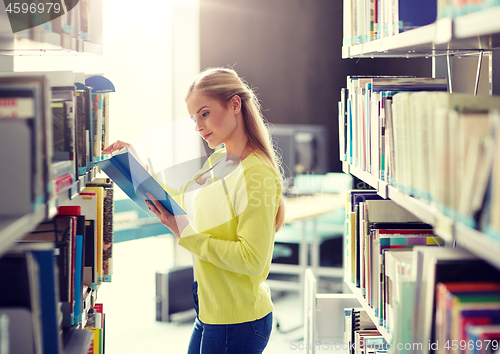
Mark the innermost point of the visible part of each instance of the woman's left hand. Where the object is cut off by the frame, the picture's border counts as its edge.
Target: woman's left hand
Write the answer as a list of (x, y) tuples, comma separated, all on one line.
[(176, 223)]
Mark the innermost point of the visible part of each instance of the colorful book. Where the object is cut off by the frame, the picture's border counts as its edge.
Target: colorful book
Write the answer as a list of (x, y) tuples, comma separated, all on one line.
[(442, 264), (89, 208), (107, 247), (99, 191)]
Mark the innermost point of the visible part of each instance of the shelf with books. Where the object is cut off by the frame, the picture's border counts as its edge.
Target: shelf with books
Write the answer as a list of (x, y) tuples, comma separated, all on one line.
[(14, 227), (38, 116), (451, 231), (463, 35), (434, 155), (425, 212), (375, 319), (67, 194), (438, 155), (417, 42), (77, 31)]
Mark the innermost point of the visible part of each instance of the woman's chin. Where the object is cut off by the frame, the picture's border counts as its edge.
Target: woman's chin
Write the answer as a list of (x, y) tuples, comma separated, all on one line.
[(212, 146)]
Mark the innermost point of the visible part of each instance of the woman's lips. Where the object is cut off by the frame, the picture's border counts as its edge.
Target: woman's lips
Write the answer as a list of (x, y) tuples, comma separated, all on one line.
[(206, 136)]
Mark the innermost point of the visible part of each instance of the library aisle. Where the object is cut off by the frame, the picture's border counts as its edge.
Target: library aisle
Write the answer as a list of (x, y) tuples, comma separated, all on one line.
[(129, 303)]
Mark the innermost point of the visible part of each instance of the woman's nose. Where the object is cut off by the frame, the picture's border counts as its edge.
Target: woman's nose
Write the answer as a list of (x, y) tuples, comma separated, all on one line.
[(197, 127)]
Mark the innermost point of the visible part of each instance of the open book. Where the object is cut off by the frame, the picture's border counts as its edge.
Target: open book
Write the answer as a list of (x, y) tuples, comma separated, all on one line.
[(128, 173)]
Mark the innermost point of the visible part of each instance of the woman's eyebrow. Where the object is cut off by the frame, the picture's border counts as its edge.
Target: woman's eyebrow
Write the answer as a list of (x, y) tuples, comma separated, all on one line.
[(198, 111)]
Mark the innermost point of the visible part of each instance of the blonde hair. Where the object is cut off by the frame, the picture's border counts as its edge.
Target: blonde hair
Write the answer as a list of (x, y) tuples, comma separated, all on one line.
[(222, 84)]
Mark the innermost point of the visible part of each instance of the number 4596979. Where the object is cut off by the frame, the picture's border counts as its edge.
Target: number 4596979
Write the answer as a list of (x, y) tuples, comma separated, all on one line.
[(24, 7)]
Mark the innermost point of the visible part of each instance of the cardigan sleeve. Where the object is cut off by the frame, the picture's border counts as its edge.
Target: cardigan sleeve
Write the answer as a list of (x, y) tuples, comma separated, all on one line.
[(248, 252)]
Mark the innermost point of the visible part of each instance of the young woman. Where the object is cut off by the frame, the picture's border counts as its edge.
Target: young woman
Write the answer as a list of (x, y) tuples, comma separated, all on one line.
[(234, 208)]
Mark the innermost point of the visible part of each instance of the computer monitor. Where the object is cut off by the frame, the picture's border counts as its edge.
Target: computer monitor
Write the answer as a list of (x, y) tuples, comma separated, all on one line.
[(303, 148)]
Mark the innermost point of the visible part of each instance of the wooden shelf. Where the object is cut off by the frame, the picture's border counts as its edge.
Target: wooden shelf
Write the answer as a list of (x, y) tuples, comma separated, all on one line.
[(369, 310), (453, 232), (464, 35)]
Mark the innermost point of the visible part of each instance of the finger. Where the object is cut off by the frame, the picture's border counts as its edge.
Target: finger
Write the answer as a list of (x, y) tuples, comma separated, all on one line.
[(107, 149), (157, 203), (110, 148), (153, 208), (117, 145)]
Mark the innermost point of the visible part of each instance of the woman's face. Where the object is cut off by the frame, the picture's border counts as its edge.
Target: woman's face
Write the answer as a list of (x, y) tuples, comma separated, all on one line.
[(215, 122)]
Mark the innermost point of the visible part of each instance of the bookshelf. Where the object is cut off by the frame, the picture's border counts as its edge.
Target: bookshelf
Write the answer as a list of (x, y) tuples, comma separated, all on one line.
[(14, 227), (473, 34), (370, 312), (464, 35), (42, 41)]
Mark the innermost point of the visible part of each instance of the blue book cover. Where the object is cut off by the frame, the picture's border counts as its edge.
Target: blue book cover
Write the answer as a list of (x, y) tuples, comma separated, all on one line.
[(49, 298), (128, 173), (413, 14), (78, 279)]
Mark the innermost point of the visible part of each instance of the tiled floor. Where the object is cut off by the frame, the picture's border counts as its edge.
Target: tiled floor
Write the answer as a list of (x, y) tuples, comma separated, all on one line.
[(129, 304)]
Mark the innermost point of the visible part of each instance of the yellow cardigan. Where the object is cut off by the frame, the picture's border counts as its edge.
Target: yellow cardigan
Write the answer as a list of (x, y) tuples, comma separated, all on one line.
[(232, 238)]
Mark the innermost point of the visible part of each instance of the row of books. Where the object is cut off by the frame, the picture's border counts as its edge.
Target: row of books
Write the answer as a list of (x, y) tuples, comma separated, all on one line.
[(361, 334), (52, 274), (425, 142), (25, 130), (376, 226), (96, 323), (80, 120), (58, 133), (468, 317), (368, 20), (74, 22), (406, 275)]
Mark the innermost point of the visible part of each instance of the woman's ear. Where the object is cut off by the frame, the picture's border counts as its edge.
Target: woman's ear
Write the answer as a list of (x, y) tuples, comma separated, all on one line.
[(235, 104)]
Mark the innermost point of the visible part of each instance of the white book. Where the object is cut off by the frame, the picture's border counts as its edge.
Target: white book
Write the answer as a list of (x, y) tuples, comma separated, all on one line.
[(347, 25), (441, 162), (361, 246), (471, 147), (458, 102), (420, 144), (495, 190), (483, 171), (375, 134), (425, 263)]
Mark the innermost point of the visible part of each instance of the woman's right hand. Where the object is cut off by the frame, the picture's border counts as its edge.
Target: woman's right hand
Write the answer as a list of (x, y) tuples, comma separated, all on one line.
[(117, 145)]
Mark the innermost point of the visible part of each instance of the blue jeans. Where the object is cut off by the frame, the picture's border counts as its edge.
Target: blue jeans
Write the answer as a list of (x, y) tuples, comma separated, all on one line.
[(240, 338)]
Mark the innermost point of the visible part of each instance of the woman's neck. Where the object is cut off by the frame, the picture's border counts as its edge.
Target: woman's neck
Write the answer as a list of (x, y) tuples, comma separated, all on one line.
[(238, 150)]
